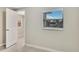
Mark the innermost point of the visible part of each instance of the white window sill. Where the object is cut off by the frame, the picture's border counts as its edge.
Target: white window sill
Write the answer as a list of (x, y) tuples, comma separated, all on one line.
[(49, 28)]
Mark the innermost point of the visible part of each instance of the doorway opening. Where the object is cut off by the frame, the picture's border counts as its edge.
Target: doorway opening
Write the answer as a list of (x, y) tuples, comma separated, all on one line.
[(13, 28)]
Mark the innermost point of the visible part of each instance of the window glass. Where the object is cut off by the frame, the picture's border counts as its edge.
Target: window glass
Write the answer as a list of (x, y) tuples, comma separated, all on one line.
[(53, 18)]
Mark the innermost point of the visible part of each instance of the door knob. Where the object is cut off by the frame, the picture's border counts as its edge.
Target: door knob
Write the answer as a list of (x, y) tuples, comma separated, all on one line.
[(7, 29)]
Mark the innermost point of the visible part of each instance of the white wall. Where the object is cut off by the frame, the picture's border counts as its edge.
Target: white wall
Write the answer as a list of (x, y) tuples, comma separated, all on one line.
[(66, 40), (21, 12), (20, 32)]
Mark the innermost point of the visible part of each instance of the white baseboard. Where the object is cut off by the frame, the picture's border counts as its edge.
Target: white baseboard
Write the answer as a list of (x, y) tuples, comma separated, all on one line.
[(42, 48), (2, 44)]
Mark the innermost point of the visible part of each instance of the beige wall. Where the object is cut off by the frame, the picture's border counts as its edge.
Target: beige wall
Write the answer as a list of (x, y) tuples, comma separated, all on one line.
[(2, 19), (66, 40)]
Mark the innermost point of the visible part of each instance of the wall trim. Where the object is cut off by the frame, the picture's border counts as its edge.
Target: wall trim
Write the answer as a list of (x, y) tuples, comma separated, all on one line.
[(42, 48), (2, 44)]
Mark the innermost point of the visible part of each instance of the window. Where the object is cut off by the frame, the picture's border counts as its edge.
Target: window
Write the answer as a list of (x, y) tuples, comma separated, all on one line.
[(53, 19)]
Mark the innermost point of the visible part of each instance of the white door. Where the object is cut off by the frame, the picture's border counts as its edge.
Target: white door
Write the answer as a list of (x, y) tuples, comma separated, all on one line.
[(11, 27)]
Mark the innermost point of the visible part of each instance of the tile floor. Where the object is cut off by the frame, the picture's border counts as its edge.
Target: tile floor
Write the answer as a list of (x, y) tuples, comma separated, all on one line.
[(20, 47), (31, 49), (23, 49)]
